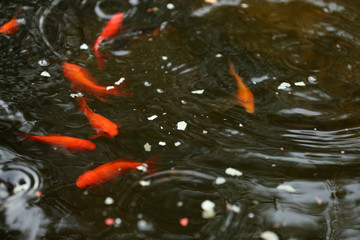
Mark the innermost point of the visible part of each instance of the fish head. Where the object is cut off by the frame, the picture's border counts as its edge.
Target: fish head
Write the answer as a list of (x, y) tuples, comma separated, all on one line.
[(88, 179), (109, 132), (88, 146)]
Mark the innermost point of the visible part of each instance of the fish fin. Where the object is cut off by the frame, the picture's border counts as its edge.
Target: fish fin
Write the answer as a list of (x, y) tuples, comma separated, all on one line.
[(101, 97), (152, 164), (100, 61), (95, 136), (75, 87), (26, 136)]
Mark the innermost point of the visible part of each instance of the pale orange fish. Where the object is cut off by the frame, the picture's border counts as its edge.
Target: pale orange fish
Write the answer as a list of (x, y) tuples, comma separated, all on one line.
[(244, 96)]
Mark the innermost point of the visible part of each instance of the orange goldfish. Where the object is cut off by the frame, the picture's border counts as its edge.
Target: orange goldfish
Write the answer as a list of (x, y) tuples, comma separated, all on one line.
[(11, 26), (110, 170), (82, 80), (244, 96), (103, 126), (110, 30), (69, 144)]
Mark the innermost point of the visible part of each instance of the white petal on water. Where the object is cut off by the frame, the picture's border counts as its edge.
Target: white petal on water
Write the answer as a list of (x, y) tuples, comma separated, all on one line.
[(301, 84), (284, 85), (109, 201), (177, 144), (268, 235), (170, 6), (161, 143), (220, 180), (142, 168), (207, 205), (43, 62), (145, 183), (147, 84), (164, 58), (181, 125), (233, 172), (147, 147), (198, 91), (45, 74), (109, 87), (286, 187), (84, 46), (152, 117), (219, 55), (120, 81)]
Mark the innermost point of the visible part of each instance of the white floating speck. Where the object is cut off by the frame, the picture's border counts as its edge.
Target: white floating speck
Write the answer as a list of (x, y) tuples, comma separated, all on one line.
[(84, 46), (233, 172), (147, 147), (219, 55), (120, 81), (162, 143), (198, 91), (159, 90), (179, 204), (312, 79), (244, 5), (45, 74), (177, 144), (181, 125), (285, 187), (152, 117), (117, 222), (267, 235), (147, 84), (170, 6), (144, 226), (109, 201), (144, 183), (240, 125), (164, 58), (208, 207), (75, 95), (220, 180), (142, 168), (284, 85), (109, 87), (251, 215), (233, 208), (43, 62), (300, 84)]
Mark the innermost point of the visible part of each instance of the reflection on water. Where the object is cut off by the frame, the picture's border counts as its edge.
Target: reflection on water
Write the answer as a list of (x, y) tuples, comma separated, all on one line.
[(291, 167)]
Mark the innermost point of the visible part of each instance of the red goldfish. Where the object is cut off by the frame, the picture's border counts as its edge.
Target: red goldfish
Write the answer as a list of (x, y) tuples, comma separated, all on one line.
[(67, 143), (110, 170), (244, 96), (110, 30), (103, 126), (11, 26), (82, 80)]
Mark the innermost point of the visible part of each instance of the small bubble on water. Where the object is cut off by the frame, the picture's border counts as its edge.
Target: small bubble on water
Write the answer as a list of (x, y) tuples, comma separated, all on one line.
[(117, 222), (84, 46), (183, 102), (140, 216), (251, 215), (162, 143), (159, 90), (164, 58), (177, 144), (109, 201), (219, 55), (147, 84), (170, 6), (44, 62), (312, 79), (342, 152)]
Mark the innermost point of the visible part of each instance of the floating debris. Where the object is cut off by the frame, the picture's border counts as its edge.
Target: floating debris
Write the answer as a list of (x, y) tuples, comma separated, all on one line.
[(267, 235), (284, 85), (318, 200), (84, 46), (117, 222), (159, 90), (43, 62), (251, 215), (233, 172), (312, 79), (162, 143), (152, 117), (147, 147), (181, 125), (208, 207), (144, 226), (184, 222), (147, 84), (109, 201), (38, 193), (302, 84), (145, 183), (198, 91), (177, 144), (109, 87), (220, 180), (233, 208), (286, 187), (142, 168), (45, 74), (179, 204), (120, 81), (211, 1), (109, 221), (204, 132), (164, 58), (170, 6), (75, 95)]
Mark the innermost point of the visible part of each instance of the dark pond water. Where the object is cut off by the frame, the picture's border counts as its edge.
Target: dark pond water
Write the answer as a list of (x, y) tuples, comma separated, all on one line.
[(290, 169)]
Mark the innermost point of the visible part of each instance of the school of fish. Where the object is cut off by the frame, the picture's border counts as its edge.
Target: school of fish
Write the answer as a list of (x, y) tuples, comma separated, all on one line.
[(81, 80)]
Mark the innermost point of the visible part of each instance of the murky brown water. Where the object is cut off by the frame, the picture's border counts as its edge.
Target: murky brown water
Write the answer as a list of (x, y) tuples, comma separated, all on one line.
[(290, 168)]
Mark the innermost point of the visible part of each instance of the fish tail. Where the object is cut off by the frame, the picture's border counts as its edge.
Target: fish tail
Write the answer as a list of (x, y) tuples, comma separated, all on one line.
[(26, 136), (152, 164), (122, 91), (82, 106)]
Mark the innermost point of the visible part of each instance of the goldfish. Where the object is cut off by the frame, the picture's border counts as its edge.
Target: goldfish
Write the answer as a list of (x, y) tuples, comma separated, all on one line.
[(11, 26), (82, 80), (110, 30), (70, 144), (103, 126), (244, 96), (110, 170)]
